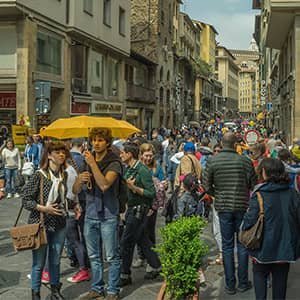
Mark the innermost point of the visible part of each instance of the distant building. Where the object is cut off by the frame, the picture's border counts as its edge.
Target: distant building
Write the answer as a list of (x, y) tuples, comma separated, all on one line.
[(227, 72), (249, 94)]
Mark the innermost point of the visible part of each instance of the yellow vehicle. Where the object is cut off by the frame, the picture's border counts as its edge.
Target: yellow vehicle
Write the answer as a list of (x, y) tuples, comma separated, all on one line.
[(19, 133)]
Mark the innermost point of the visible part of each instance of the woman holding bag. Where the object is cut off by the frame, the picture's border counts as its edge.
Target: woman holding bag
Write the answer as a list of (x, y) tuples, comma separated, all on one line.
[(55, 208), (281, 231)]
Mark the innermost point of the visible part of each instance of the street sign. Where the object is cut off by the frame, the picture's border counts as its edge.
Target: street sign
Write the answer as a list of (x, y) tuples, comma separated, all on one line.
[(42, 89), (42, 93), (42, 106), (252, 136), (269, 106)]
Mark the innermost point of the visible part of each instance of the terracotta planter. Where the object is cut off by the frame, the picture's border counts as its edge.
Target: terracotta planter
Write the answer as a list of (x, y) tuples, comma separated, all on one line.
[(162, 294), (162, 291)]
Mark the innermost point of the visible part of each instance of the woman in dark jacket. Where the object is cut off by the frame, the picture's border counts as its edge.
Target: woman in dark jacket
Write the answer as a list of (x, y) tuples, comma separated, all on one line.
[(55, 209), (281, 237)]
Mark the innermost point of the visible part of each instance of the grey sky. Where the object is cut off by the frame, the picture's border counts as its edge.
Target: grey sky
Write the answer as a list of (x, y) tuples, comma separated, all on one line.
[(233, 19)]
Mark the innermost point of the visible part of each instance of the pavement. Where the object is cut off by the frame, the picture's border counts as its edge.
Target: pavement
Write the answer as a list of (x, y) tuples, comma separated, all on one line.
[(14, 267)]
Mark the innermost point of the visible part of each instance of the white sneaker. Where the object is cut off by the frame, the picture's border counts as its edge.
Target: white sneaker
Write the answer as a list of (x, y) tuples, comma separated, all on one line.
[(9, 195), (28, 276), (16, 195), (138, 263)]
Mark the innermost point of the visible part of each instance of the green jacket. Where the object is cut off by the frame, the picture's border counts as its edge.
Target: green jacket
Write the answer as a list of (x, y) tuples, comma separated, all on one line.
[(143, 179), (229, 177)]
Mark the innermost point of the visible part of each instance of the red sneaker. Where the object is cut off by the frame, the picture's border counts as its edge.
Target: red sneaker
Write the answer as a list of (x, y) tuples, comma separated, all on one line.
[(45, 277), (81, 275)]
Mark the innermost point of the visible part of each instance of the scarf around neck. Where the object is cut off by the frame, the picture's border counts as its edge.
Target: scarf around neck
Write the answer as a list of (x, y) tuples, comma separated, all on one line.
[(57, 188)]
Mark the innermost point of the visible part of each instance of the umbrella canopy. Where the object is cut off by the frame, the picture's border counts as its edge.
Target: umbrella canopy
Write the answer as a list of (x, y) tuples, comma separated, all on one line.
[(75, 127)]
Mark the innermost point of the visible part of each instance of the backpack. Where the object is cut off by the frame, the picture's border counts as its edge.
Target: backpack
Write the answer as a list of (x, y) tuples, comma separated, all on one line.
[(160, 195), (171, 207), (123, 194)]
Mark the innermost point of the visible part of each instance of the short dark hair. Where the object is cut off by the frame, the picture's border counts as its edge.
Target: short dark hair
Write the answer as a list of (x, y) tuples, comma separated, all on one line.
[(205, 141), (104, 133), (229, 140), (274, 170), (77, 142), (190, 182), (284, 155), (133, 148)]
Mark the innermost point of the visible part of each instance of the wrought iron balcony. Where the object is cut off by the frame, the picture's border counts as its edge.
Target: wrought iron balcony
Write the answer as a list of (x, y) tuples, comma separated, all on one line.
[(140, 93)]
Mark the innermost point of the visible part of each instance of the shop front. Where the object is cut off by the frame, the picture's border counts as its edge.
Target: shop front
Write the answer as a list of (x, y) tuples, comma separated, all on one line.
[(109, 109), (7, 111)]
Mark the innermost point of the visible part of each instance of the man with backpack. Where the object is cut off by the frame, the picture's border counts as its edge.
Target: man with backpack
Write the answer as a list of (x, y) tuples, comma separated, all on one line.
[(188, 164), (102, 175)]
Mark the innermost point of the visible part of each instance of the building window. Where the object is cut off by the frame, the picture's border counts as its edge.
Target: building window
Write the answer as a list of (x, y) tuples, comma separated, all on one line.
[(88, 6), (107, 12), (113, 73), (49, 54), (97, 73), (122, 26)]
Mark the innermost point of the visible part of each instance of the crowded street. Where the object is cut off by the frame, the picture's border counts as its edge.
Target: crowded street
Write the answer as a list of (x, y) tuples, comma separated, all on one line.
[(149, 150)]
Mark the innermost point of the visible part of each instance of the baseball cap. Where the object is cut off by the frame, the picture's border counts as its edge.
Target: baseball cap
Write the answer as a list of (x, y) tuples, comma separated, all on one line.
[(189, 147)]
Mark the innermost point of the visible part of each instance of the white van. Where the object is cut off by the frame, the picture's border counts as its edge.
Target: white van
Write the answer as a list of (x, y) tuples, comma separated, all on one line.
[(230, 125)]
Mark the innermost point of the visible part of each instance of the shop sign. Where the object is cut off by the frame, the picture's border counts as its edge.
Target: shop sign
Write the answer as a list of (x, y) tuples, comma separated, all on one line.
[(7, 100), (106, 108), (132, 112), (80, 108)]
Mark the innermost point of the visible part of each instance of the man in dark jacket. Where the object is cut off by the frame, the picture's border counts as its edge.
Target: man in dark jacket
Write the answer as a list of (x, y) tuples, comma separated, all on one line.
[(229, 177), (141, 192)]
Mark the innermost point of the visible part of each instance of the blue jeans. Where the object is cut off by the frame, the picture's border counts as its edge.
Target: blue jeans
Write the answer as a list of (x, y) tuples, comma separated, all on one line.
[(106, 233), (230, 224), (55, 246), (76, 245), (10, 180)]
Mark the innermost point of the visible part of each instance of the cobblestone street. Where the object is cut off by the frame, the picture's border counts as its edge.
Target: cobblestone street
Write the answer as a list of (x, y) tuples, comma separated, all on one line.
[(14, 268)]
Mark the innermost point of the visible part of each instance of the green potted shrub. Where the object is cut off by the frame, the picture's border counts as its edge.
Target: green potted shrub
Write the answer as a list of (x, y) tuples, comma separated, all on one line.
[(181, 253)]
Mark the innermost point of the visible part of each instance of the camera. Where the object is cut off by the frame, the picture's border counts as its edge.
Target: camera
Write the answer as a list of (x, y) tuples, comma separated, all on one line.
[(139, 211)]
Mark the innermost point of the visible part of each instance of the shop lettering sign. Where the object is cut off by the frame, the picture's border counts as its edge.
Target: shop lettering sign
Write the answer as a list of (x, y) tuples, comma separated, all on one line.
[(107, 108), (7, 100)]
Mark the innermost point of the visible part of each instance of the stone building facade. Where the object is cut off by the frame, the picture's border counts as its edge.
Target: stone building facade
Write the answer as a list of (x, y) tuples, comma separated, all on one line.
[(278, 30), (152, 38), (63, 58)]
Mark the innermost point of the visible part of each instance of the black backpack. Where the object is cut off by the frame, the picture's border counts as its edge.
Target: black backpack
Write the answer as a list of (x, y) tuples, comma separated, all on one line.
[(123, 191), (171, 206)]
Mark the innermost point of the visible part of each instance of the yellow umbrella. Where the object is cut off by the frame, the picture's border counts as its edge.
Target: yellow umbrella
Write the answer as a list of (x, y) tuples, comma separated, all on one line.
[(66, 128)]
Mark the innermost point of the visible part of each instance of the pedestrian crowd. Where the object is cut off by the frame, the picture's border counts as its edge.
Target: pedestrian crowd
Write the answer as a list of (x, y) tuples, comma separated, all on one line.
[(208, 170)]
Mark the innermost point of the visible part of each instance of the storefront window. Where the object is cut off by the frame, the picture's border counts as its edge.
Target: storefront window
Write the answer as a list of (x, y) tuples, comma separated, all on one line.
[(49, 54)]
